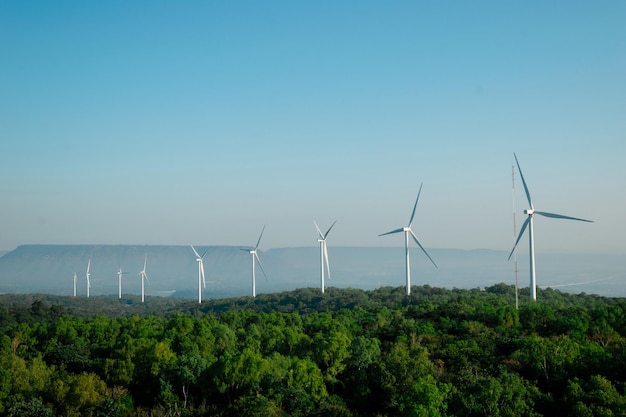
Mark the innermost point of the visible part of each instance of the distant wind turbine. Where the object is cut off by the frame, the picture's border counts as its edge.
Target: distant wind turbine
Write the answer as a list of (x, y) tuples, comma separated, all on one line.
[(201, 280), (119, 283), (529, 223), (74, 284), (407, 231), (88, 275), (255, 260), (144, 277), (323, 253)]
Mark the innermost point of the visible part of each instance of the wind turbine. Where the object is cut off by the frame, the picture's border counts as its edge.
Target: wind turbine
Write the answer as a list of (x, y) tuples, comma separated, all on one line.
[(407, 231), (74, 284), (255, 259), (323, 253), (529, 223), (119, 283), (144, 277), (87, 275), (201, 280)]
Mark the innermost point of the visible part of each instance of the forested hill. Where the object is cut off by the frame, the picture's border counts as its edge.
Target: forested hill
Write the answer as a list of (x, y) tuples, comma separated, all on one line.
[(301, 301), (345, 353)]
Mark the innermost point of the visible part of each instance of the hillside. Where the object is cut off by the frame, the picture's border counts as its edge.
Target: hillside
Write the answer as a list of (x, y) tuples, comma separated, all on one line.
[(346, 353)]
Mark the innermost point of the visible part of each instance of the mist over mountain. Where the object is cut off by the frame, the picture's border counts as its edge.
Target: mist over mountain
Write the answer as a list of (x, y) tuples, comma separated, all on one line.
[(174, 270)]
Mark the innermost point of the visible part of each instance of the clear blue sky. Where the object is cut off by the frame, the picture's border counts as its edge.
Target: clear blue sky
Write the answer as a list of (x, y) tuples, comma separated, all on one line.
[(198, 122)]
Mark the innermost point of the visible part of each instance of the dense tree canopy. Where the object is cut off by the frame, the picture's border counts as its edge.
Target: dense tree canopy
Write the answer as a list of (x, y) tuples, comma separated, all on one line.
[(302, 353)]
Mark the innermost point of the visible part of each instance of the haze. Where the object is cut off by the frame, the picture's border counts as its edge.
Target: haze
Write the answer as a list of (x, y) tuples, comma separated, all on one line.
[(198, 123)]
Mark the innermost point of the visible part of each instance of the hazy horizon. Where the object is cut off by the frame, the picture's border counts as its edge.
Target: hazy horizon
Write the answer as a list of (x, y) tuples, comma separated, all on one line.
[(50, 269)]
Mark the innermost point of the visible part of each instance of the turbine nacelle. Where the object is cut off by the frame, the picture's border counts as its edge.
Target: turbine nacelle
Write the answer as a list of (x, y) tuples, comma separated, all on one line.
[(530, 212)]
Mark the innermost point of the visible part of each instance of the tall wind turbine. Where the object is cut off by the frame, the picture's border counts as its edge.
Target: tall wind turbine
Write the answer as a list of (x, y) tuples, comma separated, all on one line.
[(144, 277), (529, 223), (201, 280), (88, 275), (323, 253), (407, 231), (255, 260)]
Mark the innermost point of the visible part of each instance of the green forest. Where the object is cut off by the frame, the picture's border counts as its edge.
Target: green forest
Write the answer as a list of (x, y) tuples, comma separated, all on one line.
[(437, 352)]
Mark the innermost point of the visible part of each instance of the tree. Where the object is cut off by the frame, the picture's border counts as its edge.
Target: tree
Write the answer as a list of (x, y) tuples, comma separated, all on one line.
[(595, 397), (507, 395), (86, 390), (31, 407), (425, 398)]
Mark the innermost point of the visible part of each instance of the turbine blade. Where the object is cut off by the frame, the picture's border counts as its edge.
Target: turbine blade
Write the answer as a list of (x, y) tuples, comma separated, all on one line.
[(202, 273), (328, 231), (145, 262), (195, 251), (393, 231), (326, 259), (319, 232), (204, 254), (88, 265), (258, 260), (260, 236), (415, 205), (421, 247), (560, 216), (523, 182), (521, 232)]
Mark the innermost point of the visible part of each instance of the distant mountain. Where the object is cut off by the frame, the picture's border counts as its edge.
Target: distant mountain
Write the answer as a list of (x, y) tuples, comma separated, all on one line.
[(173, 269)]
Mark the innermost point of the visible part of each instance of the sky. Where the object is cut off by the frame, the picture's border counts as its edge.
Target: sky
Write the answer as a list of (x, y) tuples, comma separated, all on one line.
[(198, 122)]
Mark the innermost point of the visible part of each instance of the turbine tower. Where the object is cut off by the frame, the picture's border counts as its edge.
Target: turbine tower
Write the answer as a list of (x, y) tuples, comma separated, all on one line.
[(408, 231), (144, 277), (255, 260), (323, 253), (74, 284), (514, 236), (528, 223), (201, 280), (88, 275)]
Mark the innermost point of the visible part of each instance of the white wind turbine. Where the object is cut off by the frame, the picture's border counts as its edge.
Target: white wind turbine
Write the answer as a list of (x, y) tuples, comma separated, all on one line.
[(255, 260), (119, 283), (323, 253), (144, 277), (74, 284), (88, 275), (201, 280), (529, 223), (407, 231)]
